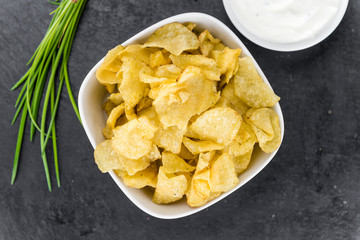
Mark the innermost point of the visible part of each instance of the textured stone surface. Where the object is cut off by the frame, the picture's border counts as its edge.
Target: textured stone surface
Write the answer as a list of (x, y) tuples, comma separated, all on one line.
[(309, 191)]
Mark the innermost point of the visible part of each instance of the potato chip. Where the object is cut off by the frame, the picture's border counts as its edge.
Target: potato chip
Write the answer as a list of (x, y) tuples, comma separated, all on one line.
[(250, 88), (241, 162), (227, 60), (131, 88), (110, 122), (146, 177), (230, 99), (137, 52), (169, 188), (190, 25), (207, 65), (219, 125), (170, 71), (169, 106), (173, 163), (174, 37), (134, 139), (158, 59), (144, 103), (170, 138), (209, 43), (116, 98), (196, 147), (186, 154), (108, 106), (132, 166), (265, 123), (106, 73), (244, 141), (222, 174), (200, 192), (110, 87), (106, 158), (146, 76)]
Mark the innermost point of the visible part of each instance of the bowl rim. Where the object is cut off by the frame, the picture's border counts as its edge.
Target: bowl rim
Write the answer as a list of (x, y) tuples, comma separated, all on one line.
[(283, 47), (184, 17)]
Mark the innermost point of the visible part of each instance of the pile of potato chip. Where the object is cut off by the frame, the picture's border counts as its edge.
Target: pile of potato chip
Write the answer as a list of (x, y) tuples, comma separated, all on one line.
[(184, 114)]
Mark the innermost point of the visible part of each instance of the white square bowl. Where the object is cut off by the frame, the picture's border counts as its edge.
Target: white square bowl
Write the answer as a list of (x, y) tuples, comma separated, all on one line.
[(92, 96)]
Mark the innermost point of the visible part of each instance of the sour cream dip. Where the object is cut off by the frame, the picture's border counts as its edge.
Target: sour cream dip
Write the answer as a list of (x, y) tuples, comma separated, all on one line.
[(285, 21)]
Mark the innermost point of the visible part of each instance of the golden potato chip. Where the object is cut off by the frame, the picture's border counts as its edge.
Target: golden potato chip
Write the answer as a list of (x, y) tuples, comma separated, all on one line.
[(209, 43), (241, 162), (137, 52), (174, 37), (170, 71), (130, 114), (200, 192), (168, 138), (250, 88), (134, 139), (106, 73), (144, 103), (131, 88), (116, 98), (133, 166), (173, 163), (196, 147), (108, 106), (169, 188), (110, 122), (190, 25), (219, 125), (230, 99), (146, 177), (207, 65), (222, 174), (244, 141), (158, 59), (106, 158), (265, 123), (186, 154), (146, 76), (110, 87), (172, 111), (227, 60)]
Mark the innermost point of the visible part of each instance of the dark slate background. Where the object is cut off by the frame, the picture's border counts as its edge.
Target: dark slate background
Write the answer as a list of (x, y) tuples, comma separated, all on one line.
[(310, 190)]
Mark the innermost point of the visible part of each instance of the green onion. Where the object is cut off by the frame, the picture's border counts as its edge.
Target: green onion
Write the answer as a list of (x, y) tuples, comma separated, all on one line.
[(52, 55)]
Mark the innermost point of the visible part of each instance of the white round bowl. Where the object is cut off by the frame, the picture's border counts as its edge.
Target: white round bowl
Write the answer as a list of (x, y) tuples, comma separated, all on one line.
[(92, 95), (320, 36)]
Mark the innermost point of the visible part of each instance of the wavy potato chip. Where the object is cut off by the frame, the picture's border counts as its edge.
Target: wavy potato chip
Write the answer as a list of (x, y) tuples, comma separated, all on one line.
[(196, 147), (222, 174), (170, 71), (108, 106), (168, 138), (218, 124), (134, 139), (137, 52), (169, 188), (116, 98), (131, 88), (132, 166), (111, 121), (207, 65), (169, 106), (209, 43), (146, 177), (106, 73), (227, 60), (106, 158), (243, 142), (173, 163), (158, 59), (250, 88), (186, 154), (241, 162), (174, 37), (230, 99), (265, 123)]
